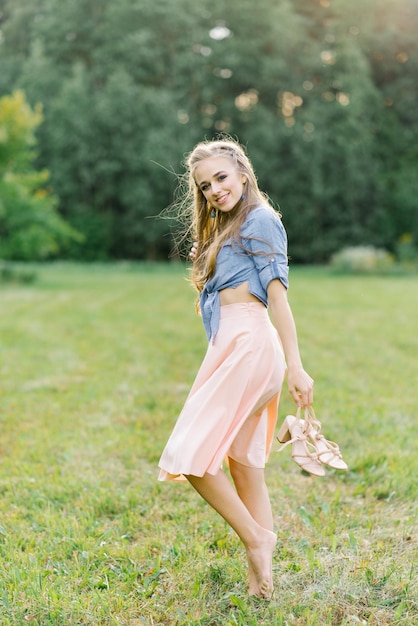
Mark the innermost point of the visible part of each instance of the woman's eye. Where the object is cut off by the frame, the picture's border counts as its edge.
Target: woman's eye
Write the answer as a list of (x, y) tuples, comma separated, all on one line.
[(204, 187), (222, 177)]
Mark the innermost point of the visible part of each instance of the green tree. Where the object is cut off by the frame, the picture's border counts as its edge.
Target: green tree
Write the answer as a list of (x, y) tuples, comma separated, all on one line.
[(30, 227), (105, 74), (322, 92), (394, 65)]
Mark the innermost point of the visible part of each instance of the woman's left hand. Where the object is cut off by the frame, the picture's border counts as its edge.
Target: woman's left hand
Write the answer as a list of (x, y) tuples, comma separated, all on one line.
[(300, 386), (193, 251)]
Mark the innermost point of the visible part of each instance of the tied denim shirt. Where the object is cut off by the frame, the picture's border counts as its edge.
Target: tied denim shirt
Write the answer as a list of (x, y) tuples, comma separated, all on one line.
[(262, 258)]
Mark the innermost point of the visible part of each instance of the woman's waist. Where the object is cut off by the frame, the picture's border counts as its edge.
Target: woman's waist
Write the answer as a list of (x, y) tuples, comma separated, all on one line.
[(237, 295), (241, 310)]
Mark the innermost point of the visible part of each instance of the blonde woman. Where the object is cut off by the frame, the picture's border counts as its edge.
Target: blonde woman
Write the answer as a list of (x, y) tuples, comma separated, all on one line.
[(240, 268)]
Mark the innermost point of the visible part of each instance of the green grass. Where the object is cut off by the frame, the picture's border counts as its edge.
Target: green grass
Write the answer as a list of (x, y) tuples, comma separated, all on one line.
[(95, 365)]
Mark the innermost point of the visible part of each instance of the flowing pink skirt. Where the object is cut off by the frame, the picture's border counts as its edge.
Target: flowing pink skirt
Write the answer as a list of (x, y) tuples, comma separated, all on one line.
[(231, 410)]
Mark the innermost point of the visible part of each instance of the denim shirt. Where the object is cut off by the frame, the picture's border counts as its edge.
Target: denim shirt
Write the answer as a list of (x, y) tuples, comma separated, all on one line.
[(264, 236)]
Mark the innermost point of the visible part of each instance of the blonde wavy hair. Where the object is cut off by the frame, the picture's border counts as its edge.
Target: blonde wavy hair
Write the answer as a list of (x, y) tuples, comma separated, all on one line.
[(211, 233)]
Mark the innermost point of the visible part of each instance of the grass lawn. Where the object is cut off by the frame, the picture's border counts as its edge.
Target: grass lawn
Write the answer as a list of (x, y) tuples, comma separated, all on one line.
[(95, 364)]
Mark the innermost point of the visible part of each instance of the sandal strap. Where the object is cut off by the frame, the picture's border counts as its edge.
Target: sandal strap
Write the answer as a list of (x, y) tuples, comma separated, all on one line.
[(312, 428), (310, 420), (330, 444), (309, 455), (335, 454)]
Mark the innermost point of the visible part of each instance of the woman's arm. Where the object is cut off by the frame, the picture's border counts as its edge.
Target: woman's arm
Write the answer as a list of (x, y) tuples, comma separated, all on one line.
[(299, 382)]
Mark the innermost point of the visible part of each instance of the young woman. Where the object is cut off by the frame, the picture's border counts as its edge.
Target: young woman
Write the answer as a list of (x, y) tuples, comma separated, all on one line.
[(239, 268)]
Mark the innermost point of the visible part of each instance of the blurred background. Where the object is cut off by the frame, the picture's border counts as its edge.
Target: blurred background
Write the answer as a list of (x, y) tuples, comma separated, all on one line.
[(101, 100)]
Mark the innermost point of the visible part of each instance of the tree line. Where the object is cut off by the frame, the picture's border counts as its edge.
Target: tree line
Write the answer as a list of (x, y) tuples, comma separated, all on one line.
[(322, 92)]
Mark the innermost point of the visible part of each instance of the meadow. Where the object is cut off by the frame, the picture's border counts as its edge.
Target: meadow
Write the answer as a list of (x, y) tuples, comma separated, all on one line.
[(95, 364)]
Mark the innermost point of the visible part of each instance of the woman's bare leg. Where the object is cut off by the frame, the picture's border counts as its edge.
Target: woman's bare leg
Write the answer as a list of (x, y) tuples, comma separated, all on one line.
[(259, 542), (252, 490)]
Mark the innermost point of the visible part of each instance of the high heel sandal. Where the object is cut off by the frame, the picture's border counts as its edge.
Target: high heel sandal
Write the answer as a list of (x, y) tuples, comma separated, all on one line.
[(303, 452), (327, 452)]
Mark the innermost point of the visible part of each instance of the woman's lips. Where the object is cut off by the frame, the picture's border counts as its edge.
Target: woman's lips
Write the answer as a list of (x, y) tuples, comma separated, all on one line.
[(223, 199)]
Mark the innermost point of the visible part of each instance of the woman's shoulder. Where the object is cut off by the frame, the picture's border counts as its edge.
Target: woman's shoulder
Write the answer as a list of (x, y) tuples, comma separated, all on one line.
[(262, 216)]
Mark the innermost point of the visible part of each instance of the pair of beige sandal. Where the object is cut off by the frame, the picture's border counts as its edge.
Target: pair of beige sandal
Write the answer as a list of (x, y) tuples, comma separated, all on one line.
[(310, 449)]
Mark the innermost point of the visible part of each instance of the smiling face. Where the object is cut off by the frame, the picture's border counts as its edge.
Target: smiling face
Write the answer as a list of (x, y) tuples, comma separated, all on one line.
[(220, 182)]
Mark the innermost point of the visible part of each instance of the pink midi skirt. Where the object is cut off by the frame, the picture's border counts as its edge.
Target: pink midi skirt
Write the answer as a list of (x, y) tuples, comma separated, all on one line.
[(231, 410)]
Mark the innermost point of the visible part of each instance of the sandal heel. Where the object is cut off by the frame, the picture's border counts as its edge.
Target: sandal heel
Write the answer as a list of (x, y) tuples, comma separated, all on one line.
[(284, 433), (303, 452)]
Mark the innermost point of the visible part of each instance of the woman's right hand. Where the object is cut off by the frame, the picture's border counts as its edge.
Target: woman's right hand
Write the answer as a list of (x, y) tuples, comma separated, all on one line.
[(300, 386), (193, 251)]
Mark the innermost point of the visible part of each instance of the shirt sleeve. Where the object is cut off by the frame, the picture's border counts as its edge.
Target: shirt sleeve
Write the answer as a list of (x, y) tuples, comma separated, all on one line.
[(265, 238)]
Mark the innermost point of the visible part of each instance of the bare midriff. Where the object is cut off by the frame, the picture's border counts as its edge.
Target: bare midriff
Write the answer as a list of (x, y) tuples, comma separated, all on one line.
[(234, 295)]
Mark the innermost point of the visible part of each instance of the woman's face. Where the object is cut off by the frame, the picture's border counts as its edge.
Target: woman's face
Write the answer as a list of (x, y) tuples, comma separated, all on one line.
[(220, 182)]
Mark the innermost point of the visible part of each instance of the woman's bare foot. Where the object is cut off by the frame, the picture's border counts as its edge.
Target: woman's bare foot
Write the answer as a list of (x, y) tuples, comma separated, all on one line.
[(259, 556), (253, 589)]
